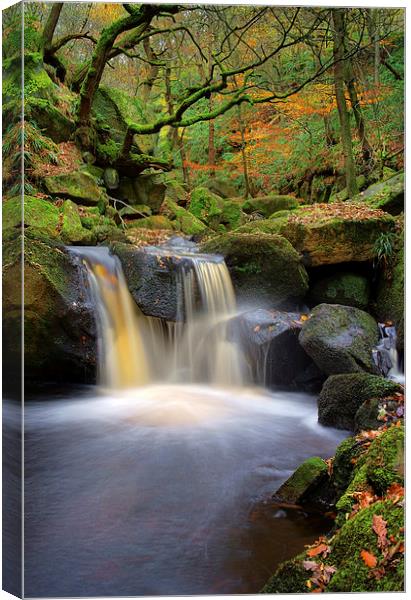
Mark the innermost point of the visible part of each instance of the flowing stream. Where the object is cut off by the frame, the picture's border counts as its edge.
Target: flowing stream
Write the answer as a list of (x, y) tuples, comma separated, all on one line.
[(159, 480)]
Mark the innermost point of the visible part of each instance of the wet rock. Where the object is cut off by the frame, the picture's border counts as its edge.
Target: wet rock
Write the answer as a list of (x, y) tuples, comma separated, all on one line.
[(265, 269), (269, 340), (347, 401), (151, 279), (386, 195), (340, 339), (308, 476)]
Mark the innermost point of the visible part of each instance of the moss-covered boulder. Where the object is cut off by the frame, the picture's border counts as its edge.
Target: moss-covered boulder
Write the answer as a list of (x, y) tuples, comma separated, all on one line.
[(221, 187), (232, 215), (59, 328), (111, 178), (343, 395), (264, 268), (261, 226), (268, 205), (334, 233), (349, 289), (183, 220), (305, 478), (148, 189), (386, 195), (389, 304), (72, 230), (206, 206), (340, 339), (39, 215), (78, 186)]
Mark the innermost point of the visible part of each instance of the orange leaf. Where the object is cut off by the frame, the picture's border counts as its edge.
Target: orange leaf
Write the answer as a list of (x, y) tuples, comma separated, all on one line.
[(317, 550), (395, 492), (369, 559)]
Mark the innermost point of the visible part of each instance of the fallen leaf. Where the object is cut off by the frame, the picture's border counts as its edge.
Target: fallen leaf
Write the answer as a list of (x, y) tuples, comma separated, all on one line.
[(395, 492), (320, 549), (379, 527), (369, 559)]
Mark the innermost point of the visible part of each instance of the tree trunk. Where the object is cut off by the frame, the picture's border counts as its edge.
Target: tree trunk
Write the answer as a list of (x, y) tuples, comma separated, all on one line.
[(243, 154), (142, 15), (367, 151), (183, 156), (345, 129), (329, 132), (51, 24), (211, 142), (153, 69)]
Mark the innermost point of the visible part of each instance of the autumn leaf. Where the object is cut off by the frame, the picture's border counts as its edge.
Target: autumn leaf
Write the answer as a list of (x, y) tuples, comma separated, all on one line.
[(320, 549), (369, 559), (379, 527), (395, 492)]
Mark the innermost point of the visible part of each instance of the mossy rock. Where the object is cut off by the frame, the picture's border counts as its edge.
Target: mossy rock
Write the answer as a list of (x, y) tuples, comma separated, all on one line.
[(39, 215), (389, 305), (153, 222), (137, 211), (111, 178), (386, 195), (348, 289), (343, 395), (78, 186), (206, 206), (343, 195), (59, 327), (264, 268), (221, 187), (340, 339), (290, 577), (323, 239), (72, 230), (269, 205), (261, 226), (183, 220), (232, 215), (304, 479)]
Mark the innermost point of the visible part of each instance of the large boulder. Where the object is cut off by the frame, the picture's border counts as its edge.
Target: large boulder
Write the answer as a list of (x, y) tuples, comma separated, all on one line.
[(349, 289), (182, 219), (267, 205), (152, 279), (148, 189), (59, 327), (333, 233), (387, 195), (79, 186), (264, 268), (232, 215), (221, 187), (269, 340), (206, 206), (342, 396), (340, 339)]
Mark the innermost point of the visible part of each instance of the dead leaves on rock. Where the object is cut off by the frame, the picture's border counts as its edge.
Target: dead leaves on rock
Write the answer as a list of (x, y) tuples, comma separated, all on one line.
[(321, 575), (390, 547), (369, 559), (347, 211)]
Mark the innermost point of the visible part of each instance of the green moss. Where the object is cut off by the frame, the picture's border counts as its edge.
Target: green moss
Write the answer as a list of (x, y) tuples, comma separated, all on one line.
[(356, 534), (108, 151), (302, 480), (387, 195), (182, 219), (78, 186), (348, 289), (290, 577), (39, 214), (206, 206), (72, 230), (268, 205), (261, 265), (260, 226), (232, 215)]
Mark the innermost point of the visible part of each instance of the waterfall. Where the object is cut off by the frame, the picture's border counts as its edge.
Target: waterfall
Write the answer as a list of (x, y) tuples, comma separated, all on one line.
[(122, 359), (386, 353), (135, 350)]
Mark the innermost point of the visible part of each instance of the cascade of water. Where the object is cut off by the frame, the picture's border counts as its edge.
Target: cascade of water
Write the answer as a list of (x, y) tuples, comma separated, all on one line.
[(134, 349), (387, 357), (122, 329)]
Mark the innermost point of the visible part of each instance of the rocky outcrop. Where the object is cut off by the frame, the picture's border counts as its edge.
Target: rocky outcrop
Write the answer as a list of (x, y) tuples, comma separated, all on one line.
[(305, 479), (327, 234), (265, 269), (206, 206), (340, 339), (349, 289), (59, 328), (182, 219), (352, 401)]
